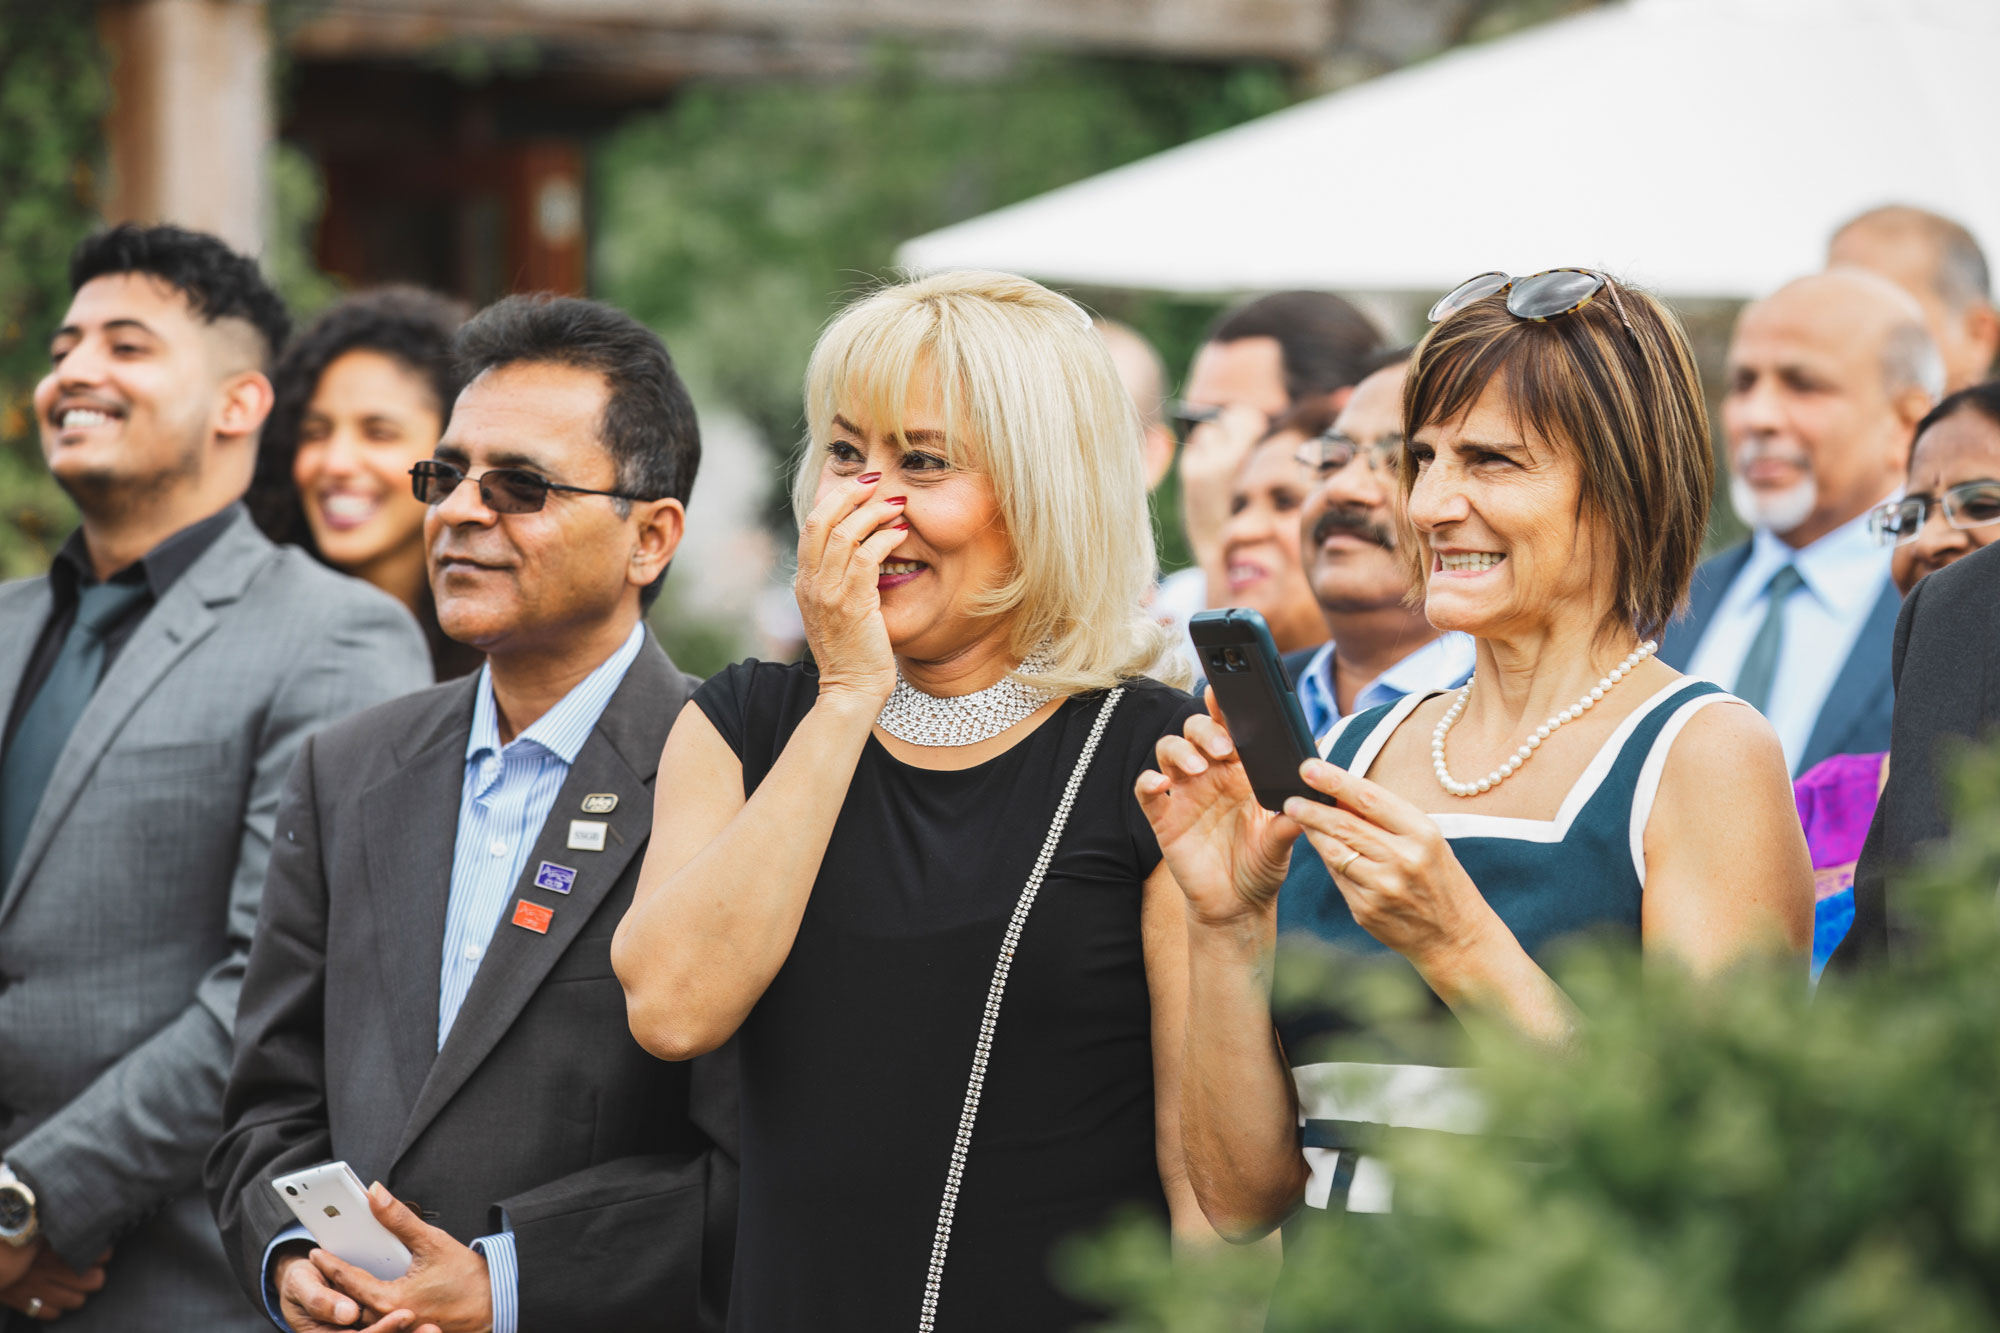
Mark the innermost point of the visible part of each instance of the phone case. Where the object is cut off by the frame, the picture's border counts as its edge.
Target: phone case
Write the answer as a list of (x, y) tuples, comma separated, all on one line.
[(1263, 714), (330, 1201)]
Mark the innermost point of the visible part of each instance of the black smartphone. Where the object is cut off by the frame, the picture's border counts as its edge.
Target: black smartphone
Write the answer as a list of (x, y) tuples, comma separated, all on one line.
[(1264, 717)]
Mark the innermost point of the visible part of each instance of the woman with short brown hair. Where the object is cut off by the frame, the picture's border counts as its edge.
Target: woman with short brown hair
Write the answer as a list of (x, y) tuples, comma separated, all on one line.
[(1556, 480)]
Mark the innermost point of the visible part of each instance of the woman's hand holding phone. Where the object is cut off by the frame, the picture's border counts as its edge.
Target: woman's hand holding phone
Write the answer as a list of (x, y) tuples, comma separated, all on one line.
[(842, 545), (1228, 853)]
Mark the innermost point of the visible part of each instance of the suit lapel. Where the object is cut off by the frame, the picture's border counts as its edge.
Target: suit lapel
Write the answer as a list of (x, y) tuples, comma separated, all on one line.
[(1711, 581), (22, 624), (1866, 675), (167, 634), (412, 823), (620, 758)]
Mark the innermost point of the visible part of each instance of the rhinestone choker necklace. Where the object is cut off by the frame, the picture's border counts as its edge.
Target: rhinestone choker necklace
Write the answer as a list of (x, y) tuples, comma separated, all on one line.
[(964, 719)]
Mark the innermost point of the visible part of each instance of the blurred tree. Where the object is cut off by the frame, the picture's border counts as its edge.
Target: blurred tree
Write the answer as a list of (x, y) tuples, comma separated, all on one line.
[(738, 219), (1725, 1159), (52, 98)]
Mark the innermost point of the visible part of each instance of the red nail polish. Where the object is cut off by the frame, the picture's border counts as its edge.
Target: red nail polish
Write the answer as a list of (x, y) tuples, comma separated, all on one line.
[(868, 478), (899, 527), (899, 499)]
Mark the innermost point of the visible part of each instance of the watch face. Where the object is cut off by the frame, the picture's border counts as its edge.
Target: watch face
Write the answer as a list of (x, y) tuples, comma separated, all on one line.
[(14, 1210)]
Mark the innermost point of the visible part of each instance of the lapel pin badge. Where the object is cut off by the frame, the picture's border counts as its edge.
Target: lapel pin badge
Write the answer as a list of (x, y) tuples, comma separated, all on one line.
[(533, 916), (555, 878), (600, 803), (587, 835)]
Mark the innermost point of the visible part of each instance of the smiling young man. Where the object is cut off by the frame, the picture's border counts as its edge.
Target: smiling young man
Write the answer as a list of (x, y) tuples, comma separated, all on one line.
[(155, 687), (1827, 379), (430, 997), (1382, 647)]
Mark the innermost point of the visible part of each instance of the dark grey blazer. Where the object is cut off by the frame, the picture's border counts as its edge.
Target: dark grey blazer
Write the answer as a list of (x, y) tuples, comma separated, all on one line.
[(1947, 675), (124, 929), (1855, 717), (617, 1171)]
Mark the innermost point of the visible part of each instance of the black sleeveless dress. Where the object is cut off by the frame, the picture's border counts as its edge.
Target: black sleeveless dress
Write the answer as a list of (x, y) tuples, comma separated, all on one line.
[(855, 1060)]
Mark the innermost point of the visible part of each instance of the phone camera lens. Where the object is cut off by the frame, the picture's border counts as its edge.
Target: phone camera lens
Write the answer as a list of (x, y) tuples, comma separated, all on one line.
[(1232, 658), (292, 1190)]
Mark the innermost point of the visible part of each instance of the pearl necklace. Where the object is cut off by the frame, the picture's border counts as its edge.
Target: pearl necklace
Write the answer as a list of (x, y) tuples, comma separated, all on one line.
[(1542, 733), (964, 719)]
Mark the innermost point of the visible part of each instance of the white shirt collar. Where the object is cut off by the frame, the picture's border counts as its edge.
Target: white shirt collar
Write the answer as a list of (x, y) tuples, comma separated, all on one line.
[(1844, 569)]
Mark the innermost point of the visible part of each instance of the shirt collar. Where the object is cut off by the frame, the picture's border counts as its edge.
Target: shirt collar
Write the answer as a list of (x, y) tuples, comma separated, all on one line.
[(1844, 569), (563, 729), (1445, 661), (160, 567)]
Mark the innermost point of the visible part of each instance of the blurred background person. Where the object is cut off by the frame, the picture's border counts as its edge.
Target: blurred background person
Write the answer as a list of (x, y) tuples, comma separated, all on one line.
[(157, 684), (1938, 263), (1382, 646), (1144, 376), (364, 392), (840, 845), (1261, 567), (1257, 362), (1826, 381), (1475, 829), (1950, 507)]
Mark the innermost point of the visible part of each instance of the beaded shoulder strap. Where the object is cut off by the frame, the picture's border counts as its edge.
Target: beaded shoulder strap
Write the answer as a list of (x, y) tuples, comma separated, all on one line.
[(941, 1240)]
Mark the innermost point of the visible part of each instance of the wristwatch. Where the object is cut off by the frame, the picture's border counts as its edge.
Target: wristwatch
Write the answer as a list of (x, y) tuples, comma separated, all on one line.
[(19, 1224)]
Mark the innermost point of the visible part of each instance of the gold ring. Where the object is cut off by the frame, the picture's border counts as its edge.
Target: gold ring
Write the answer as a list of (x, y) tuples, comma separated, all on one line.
[(1352, 857)]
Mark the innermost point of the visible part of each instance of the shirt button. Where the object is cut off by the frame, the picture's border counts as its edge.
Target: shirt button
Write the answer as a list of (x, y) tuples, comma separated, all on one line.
[(499, 848), (472, 952)]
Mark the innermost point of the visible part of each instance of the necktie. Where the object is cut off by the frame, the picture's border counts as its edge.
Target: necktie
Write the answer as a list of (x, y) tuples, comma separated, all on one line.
[(48, 721), (1760, 664)]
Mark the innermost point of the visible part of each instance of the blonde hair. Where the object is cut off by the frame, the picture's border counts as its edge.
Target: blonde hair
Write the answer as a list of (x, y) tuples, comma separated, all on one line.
[(1032, 401)]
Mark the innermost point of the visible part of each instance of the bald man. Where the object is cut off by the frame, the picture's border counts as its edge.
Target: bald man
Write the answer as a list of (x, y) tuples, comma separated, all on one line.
[(1826, 381), (1144, 376), (1938, 263)]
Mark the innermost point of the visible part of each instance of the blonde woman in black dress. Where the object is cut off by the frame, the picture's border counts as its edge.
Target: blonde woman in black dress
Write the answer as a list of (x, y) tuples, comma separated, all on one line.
[(911, 878)]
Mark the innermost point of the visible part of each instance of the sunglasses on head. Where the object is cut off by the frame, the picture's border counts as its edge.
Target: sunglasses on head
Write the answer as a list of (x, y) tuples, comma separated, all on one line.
[(504, 490), (1540, 297)]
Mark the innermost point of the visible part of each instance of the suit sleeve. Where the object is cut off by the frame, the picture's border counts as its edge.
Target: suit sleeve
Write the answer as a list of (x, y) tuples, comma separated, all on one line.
[(644, 1243), (136, 1136)]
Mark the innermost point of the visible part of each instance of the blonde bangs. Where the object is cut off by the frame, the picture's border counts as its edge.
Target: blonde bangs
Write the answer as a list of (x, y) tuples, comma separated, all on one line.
[(1032, 400)]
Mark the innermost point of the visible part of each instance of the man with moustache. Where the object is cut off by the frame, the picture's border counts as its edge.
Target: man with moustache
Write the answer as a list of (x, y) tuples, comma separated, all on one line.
[(1381, 648), (1941, 266), (155, 685), (1826, 381), (430, 997)]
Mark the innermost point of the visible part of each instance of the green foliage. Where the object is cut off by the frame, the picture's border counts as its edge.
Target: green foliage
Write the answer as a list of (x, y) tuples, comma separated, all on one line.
[(737, 220), (1727, 1159), (52, 98)]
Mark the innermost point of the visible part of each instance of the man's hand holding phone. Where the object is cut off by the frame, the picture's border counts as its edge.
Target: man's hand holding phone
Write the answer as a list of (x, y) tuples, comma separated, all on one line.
[(446, 1290), (311, 1304)]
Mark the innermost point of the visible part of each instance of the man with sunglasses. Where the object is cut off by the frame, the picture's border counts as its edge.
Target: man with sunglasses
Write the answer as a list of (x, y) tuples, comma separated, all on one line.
[(1381, 648), (430, 996), (1258, 361), (155, 686), (1826, 381)]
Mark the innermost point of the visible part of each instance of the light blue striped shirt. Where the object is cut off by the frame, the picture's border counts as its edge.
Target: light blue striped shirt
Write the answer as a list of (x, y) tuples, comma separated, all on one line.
[(506, 797)]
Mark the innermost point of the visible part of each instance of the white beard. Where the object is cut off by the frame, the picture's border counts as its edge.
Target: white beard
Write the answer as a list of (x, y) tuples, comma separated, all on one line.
[(1776, 511)]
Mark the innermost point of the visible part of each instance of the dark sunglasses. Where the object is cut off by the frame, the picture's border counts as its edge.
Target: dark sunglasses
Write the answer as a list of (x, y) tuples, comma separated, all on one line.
[(1540, 297), (1188, 417), (504, 490)]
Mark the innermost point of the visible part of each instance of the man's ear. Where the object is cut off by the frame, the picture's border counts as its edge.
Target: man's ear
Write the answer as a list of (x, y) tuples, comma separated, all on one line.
[(1982, 327), (658, 526), (246, 401)]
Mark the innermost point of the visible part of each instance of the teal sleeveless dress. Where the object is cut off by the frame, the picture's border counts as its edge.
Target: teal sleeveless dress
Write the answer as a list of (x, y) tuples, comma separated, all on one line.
[(1581, 873)]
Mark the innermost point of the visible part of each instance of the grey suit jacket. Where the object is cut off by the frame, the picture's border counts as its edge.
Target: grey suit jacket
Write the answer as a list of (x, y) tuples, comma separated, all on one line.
[(124, 929), (1855, 717), (616, 1171), (1947, 672)]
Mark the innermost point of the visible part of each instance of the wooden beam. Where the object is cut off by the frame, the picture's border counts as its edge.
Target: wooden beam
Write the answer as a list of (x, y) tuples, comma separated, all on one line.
[(190, 120)]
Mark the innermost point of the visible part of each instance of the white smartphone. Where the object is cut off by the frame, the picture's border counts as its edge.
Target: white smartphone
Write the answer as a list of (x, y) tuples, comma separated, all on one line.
[(330, 1201)]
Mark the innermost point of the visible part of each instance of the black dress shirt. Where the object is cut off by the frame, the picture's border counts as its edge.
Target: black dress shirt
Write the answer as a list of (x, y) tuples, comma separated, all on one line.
[(71, 571)]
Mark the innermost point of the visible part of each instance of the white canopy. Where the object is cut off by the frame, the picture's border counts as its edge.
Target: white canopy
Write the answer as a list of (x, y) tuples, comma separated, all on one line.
[(1703, 148)]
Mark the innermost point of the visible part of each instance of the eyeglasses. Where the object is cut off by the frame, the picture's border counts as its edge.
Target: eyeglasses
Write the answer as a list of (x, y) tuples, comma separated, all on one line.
[(1324, 455), (1188, 417), (1540, 297), (504, 490), (1972, 504)]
